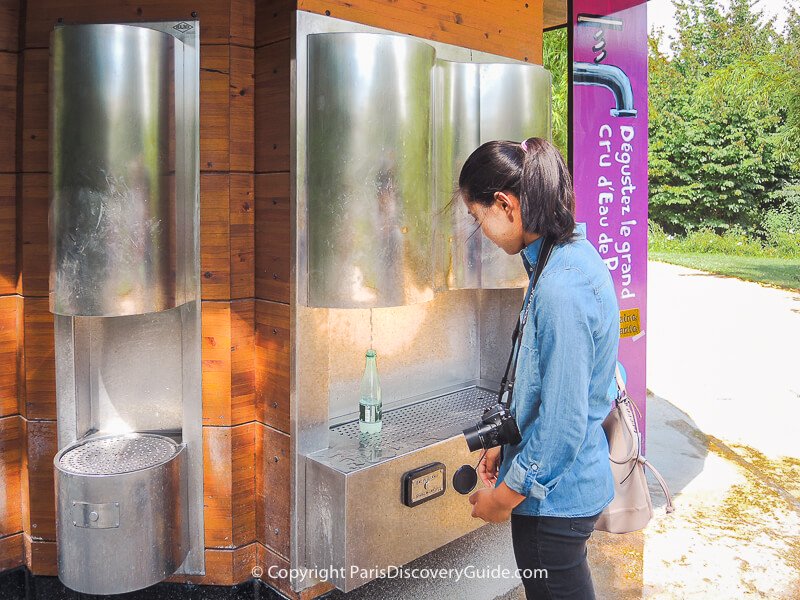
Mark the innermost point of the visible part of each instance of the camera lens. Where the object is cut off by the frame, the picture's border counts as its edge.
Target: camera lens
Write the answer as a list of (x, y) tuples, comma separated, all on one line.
[(474, 437)]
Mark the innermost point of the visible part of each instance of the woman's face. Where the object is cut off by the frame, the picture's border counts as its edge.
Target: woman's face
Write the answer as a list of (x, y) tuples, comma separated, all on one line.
[(501, 222)]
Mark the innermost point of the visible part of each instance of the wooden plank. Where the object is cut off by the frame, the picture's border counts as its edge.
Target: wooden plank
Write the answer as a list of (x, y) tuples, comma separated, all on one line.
[(8, 233), (223, 567), (272, 364), (11, 468), (554, 13), (34, 251), (8, 111), (214, 108), (35, 111), (272, 107), (242, 26), (40, 370), (274, 21), (228, 362), (242, 96), (508, 28), (20, 362), (217, 487), (9, 25), (24, 482), (227, 224), (243, 483), (215, 280), (270, 563), (41, 556), (42, 15), (41, 447), (9, 331), (12, 552), (243, 366), (242, 234), (273, 489), (272, 237), (216, 361)]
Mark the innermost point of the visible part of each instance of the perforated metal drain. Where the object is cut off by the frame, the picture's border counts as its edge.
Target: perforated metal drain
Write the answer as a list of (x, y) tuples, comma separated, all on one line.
[(405, 429), (422, 417), (118, 454)]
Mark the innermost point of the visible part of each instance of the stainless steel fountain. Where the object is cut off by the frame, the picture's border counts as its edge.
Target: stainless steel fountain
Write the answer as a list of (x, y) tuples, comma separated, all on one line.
[(382, 124), (124, 290)]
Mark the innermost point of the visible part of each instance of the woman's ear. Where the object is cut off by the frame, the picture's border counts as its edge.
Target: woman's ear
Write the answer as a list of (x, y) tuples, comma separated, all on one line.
[(507, 203)]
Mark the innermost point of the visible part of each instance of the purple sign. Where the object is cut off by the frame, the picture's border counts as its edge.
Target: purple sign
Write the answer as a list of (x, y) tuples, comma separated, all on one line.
[(609, 160)]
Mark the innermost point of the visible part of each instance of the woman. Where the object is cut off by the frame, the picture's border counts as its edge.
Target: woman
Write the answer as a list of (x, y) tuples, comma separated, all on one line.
[(555, 483)]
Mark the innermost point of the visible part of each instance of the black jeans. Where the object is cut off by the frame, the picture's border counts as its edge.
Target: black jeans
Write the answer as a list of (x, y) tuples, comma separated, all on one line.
[(557, 545)]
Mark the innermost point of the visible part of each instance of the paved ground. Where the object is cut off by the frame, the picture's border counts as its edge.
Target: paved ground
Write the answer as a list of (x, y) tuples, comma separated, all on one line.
[(723, 424)]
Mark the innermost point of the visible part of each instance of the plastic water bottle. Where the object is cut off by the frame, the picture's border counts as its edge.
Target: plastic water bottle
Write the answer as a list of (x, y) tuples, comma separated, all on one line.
[(370, 407)]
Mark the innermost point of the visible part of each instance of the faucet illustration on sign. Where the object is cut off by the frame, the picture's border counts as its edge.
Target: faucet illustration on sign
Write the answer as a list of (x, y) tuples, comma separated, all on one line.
[(607, 76)]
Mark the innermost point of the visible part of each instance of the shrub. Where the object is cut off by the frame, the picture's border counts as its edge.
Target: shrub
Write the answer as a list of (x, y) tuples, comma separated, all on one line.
[(782, 226)]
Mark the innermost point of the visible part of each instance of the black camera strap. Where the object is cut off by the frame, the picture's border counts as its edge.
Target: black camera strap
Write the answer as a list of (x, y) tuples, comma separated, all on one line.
[(507, 384)]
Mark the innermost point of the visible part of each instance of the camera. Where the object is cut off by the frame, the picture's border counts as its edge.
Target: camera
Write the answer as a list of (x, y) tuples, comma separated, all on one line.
[(496, 427)]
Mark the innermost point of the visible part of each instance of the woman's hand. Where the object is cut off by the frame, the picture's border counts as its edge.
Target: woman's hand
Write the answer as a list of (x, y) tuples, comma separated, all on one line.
[(494, 505), (488, 467)]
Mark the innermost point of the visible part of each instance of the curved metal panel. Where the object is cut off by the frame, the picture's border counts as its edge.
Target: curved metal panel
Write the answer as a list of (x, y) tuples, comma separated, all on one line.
[(368, 170), (515, 105), (113, 232), (120, 529), (457, 125)]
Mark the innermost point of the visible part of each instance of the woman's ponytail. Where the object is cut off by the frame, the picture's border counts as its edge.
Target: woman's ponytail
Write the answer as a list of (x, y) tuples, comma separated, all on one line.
[(547, 199)]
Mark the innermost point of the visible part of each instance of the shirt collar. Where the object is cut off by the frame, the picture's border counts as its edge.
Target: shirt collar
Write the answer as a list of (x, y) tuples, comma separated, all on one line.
[(530, 253)]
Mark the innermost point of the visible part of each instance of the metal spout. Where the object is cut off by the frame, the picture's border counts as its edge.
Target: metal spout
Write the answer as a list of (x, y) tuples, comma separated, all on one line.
[(610, 77)]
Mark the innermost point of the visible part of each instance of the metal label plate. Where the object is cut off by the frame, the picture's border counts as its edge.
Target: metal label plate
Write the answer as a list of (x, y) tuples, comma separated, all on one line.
[(95, 516), (423, 484)]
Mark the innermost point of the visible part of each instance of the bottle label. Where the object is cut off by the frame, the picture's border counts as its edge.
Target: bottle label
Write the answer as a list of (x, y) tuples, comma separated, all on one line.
[(370, 413)]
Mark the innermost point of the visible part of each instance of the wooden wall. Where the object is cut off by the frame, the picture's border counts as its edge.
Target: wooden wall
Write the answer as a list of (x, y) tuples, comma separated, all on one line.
[(506, 27), (12, 548), (245, 237), (27, 399)]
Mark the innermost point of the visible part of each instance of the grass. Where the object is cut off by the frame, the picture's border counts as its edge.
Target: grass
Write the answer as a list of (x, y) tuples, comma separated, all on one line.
[(780, 272)]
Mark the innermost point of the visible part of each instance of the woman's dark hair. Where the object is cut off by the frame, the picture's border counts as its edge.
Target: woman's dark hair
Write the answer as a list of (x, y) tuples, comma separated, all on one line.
[(535, 173)]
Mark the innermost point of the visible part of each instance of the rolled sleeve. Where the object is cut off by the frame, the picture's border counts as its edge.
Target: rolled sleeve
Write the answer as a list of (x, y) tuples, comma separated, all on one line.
[(522, 479), (563, 318)]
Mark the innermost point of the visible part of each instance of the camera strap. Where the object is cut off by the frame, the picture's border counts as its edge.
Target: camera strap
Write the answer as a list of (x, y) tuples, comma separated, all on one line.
[(507, 384)]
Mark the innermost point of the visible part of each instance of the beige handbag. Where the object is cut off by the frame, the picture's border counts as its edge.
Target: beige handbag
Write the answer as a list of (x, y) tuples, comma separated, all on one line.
[(631, 508)]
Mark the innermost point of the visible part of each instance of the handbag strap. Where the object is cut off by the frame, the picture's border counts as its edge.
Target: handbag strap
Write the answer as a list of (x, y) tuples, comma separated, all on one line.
[(621, 404), (621, 391), (661, 481)]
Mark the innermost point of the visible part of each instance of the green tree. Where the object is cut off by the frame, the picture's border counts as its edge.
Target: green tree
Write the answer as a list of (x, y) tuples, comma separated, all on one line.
[(555, 61), (719, 148)]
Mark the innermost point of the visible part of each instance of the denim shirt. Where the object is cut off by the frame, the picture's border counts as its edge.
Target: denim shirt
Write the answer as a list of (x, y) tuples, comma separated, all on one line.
[(564, 374)]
